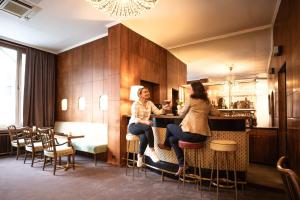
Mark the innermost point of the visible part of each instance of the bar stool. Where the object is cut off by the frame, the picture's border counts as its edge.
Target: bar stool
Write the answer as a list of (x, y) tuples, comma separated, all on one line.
[(221, 147), (186, 146), (135, 140)]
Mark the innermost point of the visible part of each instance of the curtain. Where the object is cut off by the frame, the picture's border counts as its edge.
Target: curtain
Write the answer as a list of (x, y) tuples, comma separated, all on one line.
[(39, 89)]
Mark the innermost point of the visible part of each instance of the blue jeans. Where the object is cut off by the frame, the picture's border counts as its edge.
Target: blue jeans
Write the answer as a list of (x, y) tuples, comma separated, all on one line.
[(174, 134), (145, 133)]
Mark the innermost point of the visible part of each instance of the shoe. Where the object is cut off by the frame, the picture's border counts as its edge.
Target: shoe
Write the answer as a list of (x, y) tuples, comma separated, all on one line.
[(153, 156), (139, 162), (165, 147), (181, 170)]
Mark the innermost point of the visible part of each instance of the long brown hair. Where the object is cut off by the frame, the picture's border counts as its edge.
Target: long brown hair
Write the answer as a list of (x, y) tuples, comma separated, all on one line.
[(199, 91)]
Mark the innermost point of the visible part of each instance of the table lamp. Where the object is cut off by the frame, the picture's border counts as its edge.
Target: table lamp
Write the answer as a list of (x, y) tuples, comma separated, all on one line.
[(133, 92)]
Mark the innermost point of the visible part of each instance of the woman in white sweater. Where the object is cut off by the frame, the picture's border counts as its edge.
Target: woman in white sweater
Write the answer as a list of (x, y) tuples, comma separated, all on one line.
[(140, 124)]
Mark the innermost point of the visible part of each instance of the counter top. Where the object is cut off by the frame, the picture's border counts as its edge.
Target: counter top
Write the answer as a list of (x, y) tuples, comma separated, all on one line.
[(209, 117), (237, 109), (265, 127), (166, 116), (226, 118)]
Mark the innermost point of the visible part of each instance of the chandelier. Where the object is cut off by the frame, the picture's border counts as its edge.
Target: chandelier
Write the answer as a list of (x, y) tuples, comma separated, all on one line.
[(123, 8)]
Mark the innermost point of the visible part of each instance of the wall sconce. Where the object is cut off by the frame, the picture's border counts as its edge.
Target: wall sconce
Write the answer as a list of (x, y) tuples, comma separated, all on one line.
[(133, 92), (64, 104), (272, 73), (277, 50), (81, 103), (103, 102)]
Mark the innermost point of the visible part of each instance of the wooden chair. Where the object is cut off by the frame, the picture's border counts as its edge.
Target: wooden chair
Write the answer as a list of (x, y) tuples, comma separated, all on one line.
[(33, 144), (16, 139), (53, 150), (290, 179)]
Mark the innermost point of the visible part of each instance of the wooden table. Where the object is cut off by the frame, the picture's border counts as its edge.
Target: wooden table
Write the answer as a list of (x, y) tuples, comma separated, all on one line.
[(69, 137)]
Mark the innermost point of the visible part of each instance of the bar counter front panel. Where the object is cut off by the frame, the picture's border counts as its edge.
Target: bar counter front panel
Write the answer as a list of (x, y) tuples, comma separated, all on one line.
[(221, 129)]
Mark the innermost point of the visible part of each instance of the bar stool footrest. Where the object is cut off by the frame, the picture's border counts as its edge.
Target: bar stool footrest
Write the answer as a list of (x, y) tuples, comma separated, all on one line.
[(190, 178), (223, 183)]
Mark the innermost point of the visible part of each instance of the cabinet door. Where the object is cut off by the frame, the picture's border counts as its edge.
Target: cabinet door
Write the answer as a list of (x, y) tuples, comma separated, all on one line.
[(252, 135), (263, 146)]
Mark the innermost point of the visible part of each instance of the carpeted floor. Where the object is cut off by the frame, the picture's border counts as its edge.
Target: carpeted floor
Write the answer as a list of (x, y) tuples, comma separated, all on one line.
[(20, 181)]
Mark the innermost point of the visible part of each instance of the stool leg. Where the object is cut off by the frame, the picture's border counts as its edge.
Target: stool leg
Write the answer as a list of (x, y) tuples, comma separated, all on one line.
[(195, 167), (145, 167), (133, 160), (178, 182), (217, 175), (137, 156), (226, 165), (235, 179), (212, 170), (200, 169), (127, 156), (184, 154)]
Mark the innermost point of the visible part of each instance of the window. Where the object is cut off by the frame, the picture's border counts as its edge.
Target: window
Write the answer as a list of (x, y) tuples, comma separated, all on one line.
[(12, 71)]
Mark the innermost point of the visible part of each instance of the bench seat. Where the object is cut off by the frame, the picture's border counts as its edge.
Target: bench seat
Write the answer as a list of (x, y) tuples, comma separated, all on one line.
[(95, 138)]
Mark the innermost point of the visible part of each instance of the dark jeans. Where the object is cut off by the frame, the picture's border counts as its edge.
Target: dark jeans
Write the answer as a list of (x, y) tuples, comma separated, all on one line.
[(145, 133), (174, 134)]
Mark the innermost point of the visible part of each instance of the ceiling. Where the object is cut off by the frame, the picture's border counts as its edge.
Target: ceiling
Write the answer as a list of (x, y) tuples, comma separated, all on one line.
[(59, 25), (178, 25), (246, 53), (176, 22)]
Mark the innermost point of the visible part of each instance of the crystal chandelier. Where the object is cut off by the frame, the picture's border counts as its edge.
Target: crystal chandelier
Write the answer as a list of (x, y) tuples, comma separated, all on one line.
[(123, 8)]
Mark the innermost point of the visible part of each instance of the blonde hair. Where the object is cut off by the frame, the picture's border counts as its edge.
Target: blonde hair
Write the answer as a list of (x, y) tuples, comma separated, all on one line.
[(139, 92)]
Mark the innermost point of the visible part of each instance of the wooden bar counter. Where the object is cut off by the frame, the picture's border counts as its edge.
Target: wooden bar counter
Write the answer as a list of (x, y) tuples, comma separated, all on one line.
[(227, 128)]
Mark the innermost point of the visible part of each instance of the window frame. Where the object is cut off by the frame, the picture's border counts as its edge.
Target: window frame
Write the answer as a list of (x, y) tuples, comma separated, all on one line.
[(19, 79)]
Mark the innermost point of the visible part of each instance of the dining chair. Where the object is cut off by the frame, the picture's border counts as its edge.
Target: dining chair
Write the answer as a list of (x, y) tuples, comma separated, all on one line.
[(16, 139), (33, 144), (53, 150), (290, 180)]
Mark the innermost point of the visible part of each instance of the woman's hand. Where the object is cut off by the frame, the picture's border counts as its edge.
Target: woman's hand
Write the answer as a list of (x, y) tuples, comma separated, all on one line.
[(166, 107), (149, 123)]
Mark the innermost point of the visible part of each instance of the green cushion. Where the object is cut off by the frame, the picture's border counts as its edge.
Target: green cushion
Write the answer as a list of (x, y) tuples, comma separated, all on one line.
[(89, 147)]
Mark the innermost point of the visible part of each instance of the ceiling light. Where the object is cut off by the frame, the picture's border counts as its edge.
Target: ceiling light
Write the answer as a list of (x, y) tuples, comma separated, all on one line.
[(123, 8)]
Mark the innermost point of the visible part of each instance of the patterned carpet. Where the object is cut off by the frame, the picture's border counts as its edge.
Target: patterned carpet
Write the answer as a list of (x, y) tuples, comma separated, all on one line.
[(20, 181)]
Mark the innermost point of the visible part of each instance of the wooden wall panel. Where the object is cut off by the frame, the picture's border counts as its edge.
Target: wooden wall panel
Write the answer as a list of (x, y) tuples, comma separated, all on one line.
[(176, 74), (146, 61), (80, 72), (286, 33)]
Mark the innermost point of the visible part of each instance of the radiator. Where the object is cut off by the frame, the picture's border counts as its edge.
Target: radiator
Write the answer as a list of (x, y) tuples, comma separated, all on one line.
[(5, 147)]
